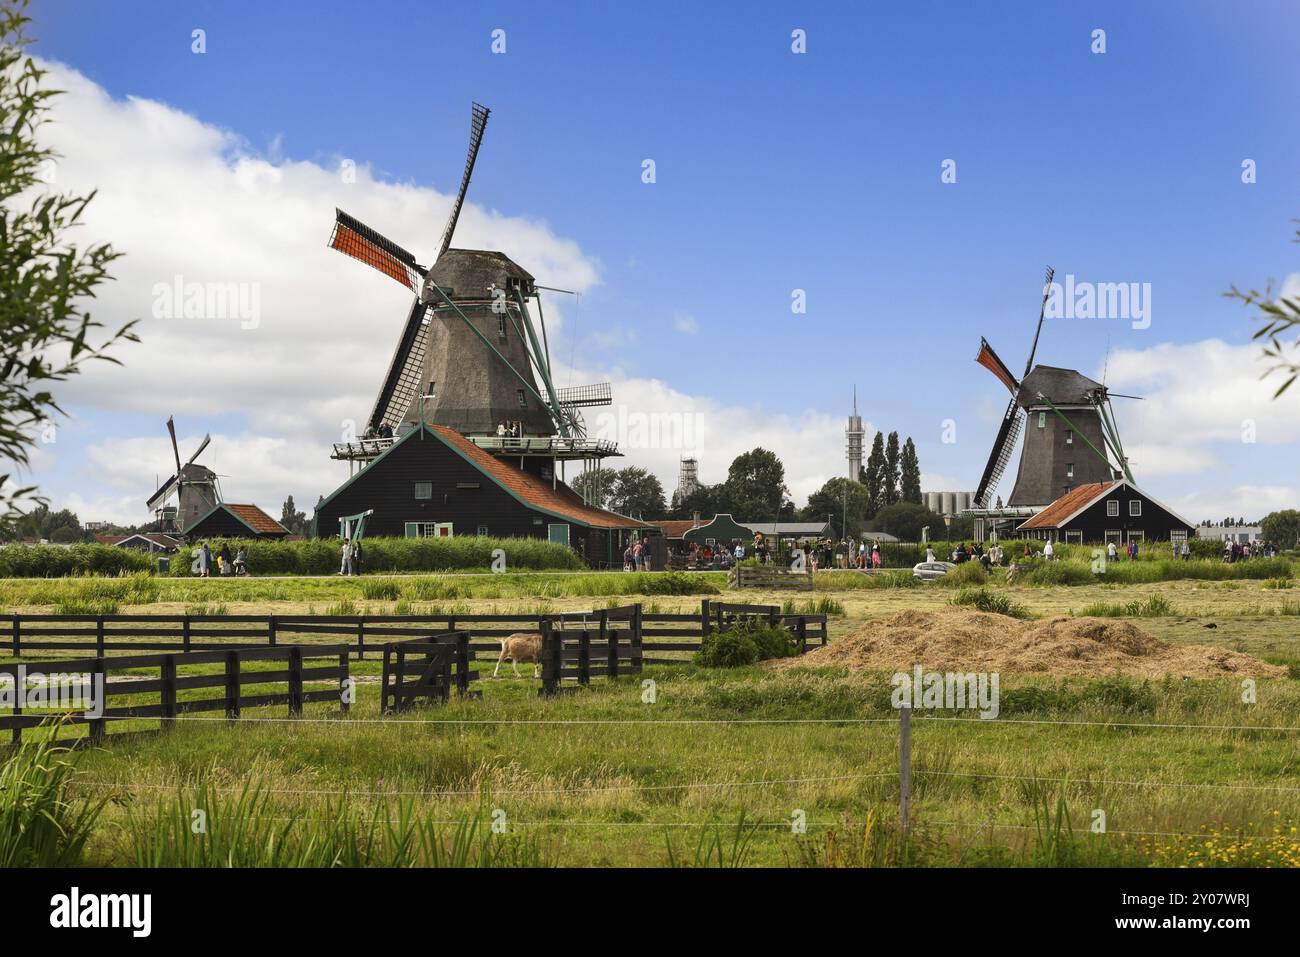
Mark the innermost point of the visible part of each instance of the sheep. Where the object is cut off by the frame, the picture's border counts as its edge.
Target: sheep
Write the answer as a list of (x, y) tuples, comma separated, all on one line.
[(525, 646)]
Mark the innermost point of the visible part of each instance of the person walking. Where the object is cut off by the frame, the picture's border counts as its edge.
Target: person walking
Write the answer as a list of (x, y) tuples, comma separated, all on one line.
[(1048, 552), (1186, 550), (241, 561), (356, 557), (346, 565), (205, 560)]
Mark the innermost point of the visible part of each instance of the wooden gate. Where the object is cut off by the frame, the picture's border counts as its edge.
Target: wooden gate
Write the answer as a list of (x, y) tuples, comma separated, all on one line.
[(425, 669)]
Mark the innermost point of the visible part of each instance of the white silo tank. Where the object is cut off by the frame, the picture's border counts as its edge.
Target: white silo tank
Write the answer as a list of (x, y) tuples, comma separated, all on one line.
[(949, 504)]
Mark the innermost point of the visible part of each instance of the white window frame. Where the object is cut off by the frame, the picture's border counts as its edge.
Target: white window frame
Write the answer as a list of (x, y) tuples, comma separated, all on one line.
[(1137, 535), (1069, 470), (422, 498), (1069, 436), (1135, 508), (1178, 535), (1115, 535), (1073, 537), (568, 532), (1112, 508), (1042, 420)]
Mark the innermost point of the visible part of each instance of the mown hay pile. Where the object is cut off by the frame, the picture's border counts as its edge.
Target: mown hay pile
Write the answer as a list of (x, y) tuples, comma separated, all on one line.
[(956, 639)]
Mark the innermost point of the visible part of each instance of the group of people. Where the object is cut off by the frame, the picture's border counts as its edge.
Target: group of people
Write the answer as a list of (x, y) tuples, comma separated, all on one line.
[(1239, 551), (223, 560), (385, 431), (636, 557), (976, 552), (509, 430), (352, 553)]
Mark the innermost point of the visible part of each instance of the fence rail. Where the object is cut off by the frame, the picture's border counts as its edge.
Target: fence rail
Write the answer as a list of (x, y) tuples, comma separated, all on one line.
[(434, 664), (117, 678), (102, 635)]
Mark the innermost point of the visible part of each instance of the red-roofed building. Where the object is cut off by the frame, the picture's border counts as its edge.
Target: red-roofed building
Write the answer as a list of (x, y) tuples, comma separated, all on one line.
[(228, 520), (1100, 512), (435, 482)]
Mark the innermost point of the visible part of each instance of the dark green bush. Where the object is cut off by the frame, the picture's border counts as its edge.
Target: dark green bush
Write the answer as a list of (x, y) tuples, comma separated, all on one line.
[(745, 644), (55, 561), (677, 583)]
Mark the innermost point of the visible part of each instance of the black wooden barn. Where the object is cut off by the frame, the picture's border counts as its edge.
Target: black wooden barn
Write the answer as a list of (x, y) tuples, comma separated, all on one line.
[(1101, 512), (227, 520), (433, 481)]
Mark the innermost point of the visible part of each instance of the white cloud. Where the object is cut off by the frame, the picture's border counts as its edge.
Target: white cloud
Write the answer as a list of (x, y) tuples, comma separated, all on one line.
[(686, 324)]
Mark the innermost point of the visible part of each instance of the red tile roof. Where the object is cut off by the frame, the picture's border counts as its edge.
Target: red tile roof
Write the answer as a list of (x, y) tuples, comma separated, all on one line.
[(675, 528), (530, 489), (257, 519), (1065, 506)]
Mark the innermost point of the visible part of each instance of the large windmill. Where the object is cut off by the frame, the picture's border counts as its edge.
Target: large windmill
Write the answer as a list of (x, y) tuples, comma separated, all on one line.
[(468, 355), (1071, 439), (194, 487)]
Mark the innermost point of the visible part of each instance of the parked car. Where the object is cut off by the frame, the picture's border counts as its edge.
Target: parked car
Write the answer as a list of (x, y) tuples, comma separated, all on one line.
[(929, 571)]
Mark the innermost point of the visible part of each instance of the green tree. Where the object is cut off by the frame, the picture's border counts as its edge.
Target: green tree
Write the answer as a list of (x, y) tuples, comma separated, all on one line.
[(1276, 318), (755, 485), (904, 520), (889, 481), (637, 493), (292, 519), (838, 499), (909, 482), (45, 332), (596, 486), (873, 476), (708, 500), (1282, 528)]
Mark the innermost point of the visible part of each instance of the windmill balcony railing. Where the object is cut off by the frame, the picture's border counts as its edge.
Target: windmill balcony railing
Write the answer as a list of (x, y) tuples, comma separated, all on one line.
[(547, 445), (364, 449)]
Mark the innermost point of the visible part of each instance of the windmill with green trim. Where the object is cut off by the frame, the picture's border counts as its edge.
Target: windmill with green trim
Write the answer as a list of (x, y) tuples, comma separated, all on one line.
[(469, 355), (1070, 435)]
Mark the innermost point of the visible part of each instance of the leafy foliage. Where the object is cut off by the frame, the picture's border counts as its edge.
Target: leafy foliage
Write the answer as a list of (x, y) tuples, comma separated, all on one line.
[(1276, 318), (45, 333)]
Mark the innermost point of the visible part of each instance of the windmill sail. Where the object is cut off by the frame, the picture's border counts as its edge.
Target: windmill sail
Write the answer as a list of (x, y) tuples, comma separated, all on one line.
[(989, 360), (402, 383), (354, 238), (1012, 422), (477, 124)]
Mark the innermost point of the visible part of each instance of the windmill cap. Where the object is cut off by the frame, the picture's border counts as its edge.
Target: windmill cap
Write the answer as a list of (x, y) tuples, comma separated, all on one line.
[(1062, 386)]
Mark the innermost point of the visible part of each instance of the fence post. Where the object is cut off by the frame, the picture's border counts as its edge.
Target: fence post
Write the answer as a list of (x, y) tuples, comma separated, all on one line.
[(270, 630), (803, 635), (99, 637), (399, 702), (462, 663), (232, 684), (611, 639), (168, 674), (185, 632), (99, 681), (705, 621), (18, 636), (904, 766), (550, 667), (343, 681), (295, 682), (637, 624), (584, 657)]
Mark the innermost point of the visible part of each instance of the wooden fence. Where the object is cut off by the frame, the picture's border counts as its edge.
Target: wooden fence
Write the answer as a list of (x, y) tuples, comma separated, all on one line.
[(770, 576), (113, 634), (117, 678), (607, 647), (433, 665)]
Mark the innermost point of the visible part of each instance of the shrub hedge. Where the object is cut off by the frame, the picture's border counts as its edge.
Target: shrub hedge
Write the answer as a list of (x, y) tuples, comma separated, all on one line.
[(322, 556), (55, 561)]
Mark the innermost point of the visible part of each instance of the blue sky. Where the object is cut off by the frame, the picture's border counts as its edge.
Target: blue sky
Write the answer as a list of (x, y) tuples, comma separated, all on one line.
[(778, 171)]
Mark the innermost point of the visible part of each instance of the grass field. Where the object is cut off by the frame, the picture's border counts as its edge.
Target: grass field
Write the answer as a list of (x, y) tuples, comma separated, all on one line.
[(715, 770)]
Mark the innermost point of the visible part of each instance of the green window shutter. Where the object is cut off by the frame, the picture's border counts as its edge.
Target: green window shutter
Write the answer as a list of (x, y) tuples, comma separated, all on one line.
[(412, 530)]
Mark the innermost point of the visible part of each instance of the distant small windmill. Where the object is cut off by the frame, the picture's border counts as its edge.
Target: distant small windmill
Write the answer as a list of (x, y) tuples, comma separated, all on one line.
[(194, 487), (1072, 439)]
